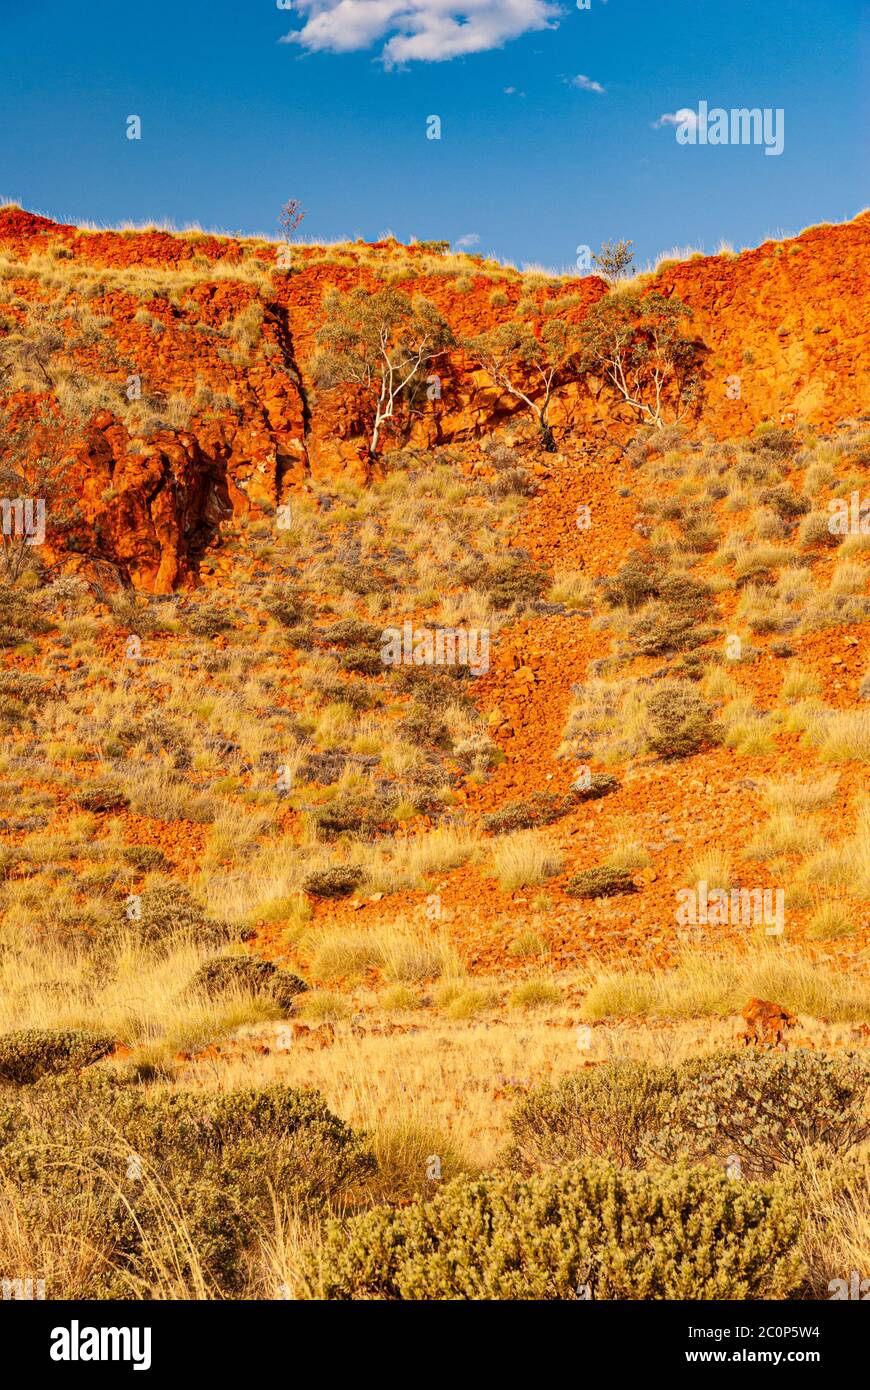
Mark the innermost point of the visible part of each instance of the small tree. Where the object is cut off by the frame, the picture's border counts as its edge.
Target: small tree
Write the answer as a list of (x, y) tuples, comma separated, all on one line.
[(513, 352), (636, 343), (614, 259), (382, 343), (292, 214), (35, 459)]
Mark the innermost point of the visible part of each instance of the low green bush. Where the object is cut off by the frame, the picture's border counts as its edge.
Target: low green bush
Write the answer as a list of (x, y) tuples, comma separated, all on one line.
[(681, 1234), (764, 1109), (27, 1055), (608, 1111), (172, 1180), (229, 974), (337, 882), (102, 796), (156, 915), (600, 784), (679, 722), (767, 1109), (600, 882), (357, 815)]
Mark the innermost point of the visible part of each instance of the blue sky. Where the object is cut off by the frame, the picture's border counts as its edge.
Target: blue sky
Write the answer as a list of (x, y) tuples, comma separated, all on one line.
[(531, 162)]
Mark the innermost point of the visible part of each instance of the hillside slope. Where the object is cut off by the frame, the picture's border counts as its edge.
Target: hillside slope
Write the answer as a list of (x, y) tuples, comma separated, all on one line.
[(219, 339)]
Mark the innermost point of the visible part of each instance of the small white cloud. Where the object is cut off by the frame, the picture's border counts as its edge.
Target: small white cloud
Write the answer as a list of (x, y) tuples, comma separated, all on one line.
[(586, 84), (464, 242), (428, 31), (685, 116)]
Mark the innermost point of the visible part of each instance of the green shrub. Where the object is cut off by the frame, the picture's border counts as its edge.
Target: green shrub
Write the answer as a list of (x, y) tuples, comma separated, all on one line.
[(103, 796), (145, 858), (359, 815), (539, 809), (174, 1178), (599, 882), (337, 882), (246, 974), (768, 1109), (34, 1052), (609, 1111), (287, 608), (542, 808), (362, 661), (19, 620), (637, 580), (600, 784), (351, 632), (679, 722), (156, 915), (683, 1234), (787, 504), (516, 580), (208, 620)]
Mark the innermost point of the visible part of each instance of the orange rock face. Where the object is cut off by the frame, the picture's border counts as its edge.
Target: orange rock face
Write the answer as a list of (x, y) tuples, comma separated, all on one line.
[(766, 1023), (786, 327)]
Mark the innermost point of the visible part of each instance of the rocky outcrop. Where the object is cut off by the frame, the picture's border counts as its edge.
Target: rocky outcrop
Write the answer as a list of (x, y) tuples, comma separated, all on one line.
[(784, 325)]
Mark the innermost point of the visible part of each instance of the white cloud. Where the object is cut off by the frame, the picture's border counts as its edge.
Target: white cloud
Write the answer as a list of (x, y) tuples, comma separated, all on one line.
[(586, 84), (685, 116), (464, 242), (429, 31)]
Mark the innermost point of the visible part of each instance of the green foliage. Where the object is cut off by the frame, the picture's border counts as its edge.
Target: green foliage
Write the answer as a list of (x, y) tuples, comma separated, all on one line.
[(19, 619), (608, 1112), (600, 784), (528, 361), (599, 882), (768, 1109), (682, 1234), (636, 581), (679, 722), (285, 606), (34, 1052), (515, 579), (173, 1179), (613, 260), (383, 345), (145, 858), (636, 343), (208, 619), (168, 911), (542, 808), (228, 974), (357, 815), (101, 796), (337, 882)]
